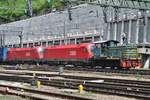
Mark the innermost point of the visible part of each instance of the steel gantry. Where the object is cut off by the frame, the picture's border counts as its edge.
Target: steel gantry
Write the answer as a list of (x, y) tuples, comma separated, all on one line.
[(131, 4), (141, 5)]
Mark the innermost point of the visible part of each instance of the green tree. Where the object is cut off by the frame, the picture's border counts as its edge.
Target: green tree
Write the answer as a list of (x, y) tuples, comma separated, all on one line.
[(11, 10)]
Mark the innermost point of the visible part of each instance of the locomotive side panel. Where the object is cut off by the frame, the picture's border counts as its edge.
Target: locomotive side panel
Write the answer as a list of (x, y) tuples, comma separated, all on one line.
[(3, 54), (131, 58), (22, 54), (68, 52)]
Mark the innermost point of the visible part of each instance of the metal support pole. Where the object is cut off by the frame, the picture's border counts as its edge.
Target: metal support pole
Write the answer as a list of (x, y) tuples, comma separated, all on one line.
[(53, 41), (60, 42), (69, 41), (65, 40), (75, 40), (34, 43), (129, 35), (21, 38), (115, 31), (145, 29), (137, 31), (46, 43), (27, 44), (108, 34), (92, 38), (122, 31), (83, 38), (3, 39)]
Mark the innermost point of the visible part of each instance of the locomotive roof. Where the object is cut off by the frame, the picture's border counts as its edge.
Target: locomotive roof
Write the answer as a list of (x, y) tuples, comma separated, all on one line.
[(20, 49), (70, 46)]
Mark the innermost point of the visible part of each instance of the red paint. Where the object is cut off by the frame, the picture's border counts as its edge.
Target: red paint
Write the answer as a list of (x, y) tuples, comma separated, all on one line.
[(131, 64), (23, 54), (79, 51)]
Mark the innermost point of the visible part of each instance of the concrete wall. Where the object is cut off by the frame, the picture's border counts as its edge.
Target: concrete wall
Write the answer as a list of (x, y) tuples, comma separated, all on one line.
[(85, 18)]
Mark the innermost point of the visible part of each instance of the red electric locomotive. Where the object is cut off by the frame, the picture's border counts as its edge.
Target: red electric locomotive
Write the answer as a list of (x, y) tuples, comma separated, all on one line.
[(24, 54), (80, 53)]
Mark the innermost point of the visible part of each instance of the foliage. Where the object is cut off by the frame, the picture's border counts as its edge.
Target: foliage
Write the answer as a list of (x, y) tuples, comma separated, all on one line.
[(11, 10)]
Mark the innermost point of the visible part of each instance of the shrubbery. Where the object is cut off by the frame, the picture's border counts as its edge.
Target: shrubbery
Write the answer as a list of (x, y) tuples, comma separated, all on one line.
[(11, 10)]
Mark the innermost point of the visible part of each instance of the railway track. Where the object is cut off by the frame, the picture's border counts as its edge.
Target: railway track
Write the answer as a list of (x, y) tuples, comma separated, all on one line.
[(137, 89), (68, 76), (37, 94), (108, 70), (90, 69)]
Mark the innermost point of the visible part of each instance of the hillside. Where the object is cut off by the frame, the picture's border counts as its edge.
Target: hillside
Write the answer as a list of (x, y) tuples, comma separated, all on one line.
[(12, 10)]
